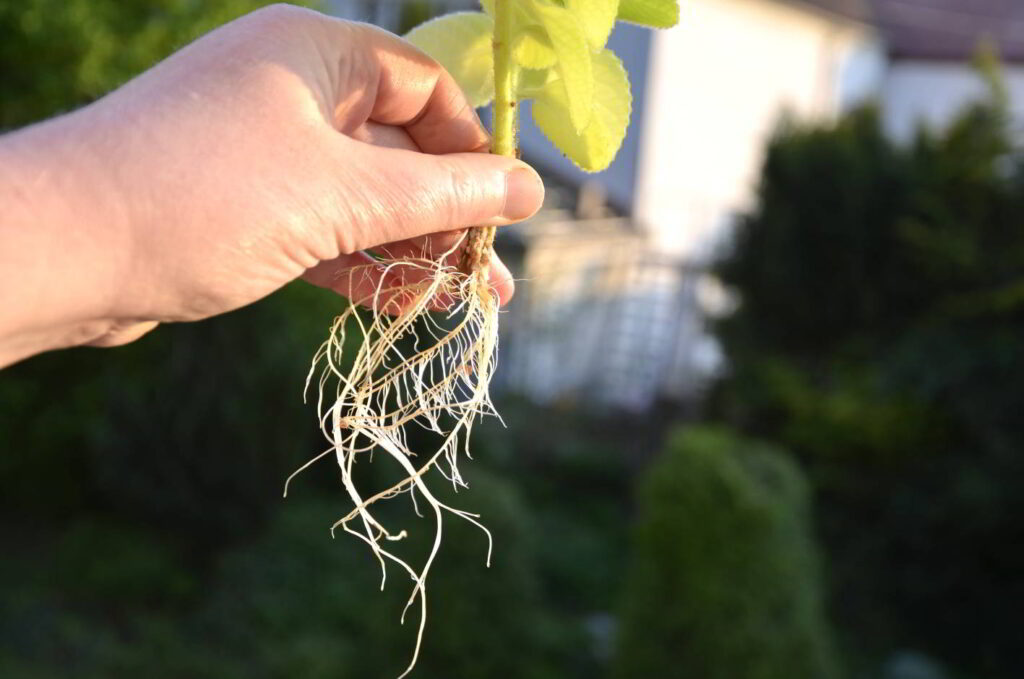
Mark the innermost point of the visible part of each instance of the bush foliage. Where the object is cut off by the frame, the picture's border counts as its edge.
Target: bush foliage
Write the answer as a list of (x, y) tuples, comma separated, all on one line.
[(724, 581), (879, 338), (56, 55)]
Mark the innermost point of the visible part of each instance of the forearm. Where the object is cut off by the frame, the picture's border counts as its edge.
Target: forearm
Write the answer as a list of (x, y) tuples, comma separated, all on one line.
[(62, 250)]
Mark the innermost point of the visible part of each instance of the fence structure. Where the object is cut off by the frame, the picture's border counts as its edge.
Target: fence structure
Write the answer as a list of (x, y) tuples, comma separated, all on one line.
[(602, 317)]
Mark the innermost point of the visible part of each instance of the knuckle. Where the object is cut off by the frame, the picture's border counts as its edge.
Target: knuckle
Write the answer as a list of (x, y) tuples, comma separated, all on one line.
[(346, 241), (278, 12), (281, 18)]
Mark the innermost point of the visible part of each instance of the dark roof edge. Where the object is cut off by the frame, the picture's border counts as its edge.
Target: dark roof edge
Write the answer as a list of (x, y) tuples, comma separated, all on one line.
[(854, 11), (1014, 60)]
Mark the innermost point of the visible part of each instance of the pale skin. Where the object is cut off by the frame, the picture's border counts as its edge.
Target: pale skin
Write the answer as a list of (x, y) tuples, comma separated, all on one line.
[(285, 144)]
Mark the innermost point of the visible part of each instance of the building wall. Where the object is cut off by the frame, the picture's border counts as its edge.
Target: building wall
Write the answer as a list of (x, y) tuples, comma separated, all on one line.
[(932, 93), (719, 83)]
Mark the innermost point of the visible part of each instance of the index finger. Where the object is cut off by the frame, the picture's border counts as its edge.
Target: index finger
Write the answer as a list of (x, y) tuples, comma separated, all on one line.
[(400, 85)]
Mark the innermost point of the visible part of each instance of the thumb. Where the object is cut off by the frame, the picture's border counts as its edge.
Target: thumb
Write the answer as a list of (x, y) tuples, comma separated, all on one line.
[(409, 193)]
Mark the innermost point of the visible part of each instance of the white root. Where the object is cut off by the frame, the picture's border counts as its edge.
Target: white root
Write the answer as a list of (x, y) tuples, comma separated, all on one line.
[(426, 357)]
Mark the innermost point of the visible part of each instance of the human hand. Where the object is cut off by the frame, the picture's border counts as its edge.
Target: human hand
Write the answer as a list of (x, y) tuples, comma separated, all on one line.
[(283, 144)]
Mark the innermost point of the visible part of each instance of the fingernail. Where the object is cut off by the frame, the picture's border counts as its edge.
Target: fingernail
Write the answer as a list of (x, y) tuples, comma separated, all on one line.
[(524, 192)]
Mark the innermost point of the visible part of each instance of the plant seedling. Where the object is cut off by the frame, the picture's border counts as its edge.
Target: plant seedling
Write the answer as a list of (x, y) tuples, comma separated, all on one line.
[(428, 342)]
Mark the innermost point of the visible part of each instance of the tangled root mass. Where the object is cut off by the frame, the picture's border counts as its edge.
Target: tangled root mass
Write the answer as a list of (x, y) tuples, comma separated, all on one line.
[(425, 358)]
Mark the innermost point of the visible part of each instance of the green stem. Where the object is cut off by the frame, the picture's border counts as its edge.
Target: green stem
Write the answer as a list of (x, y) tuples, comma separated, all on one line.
[(503, 137), (504, 132)]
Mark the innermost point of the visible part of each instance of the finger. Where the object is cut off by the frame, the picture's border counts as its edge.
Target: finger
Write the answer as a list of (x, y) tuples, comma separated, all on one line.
[(361, 279), (374, 284), (389, 136), (415, 194), (433, 246), (390, 285), (403, 86), (427, 246), (356, 276)]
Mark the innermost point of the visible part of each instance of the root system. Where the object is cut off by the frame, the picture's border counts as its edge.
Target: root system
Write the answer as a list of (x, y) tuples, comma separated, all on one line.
[(427, 338)]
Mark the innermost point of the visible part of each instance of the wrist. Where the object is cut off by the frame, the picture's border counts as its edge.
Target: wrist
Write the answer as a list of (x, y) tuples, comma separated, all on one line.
[(63, 250)]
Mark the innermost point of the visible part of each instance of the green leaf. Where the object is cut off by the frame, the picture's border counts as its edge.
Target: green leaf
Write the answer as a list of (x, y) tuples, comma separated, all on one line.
[(533, 81), (573, 58), (461, 42), (594, 148), (533, 49), (597, 17), (654, 13)]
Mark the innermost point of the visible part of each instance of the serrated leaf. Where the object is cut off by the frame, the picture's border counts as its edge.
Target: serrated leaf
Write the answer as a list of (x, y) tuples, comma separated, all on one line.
[(573, 58), (533, 49), (461, 42), (595, 147), (653, 13), (597, 17)]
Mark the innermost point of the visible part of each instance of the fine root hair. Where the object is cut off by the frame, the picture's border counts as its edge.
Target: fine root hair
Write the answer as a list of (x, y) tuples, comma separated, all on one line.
[(427, 341)]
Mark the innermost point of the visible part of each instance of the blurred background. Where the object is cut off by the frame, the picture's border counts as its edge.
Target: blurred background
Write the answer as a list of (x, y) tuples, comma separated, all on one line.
[(763, 383)]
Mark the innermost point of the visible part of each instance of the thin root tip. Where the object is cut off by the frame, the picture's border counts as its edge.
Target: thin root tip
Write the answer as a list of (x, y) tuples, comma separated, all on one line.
[(395, 538)]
